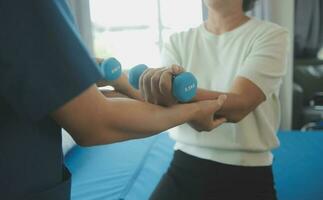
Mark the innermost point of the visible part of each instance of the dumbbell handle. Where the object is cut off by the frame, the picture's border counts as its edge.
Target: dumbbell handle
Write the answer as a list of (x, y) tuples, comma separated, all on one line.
[(112, 72), (184, 85)]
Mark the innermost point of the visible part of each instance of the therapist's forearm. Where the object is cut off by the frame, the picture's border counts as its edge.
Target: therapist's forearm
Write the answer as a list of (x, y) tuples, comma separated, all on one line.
[(93, 119), (148, 119)]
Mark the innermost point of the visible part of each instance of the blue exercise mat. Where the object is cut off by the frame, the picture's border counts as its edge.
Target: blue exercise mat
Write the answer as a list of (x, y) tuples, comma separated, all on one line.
[(298, 166), (128, 170), (131, 170)]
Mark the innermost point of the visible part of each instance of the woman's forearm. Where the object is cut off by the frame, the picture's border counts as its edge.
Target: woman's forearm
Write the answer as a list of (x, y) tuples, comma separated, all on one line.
[(123, 86), (235, 108)]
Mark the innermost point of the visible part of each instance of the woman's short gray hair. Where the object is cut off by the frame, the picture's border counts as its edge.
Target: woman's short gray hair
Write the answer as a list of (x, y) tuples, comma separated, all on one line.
[(248, 4)]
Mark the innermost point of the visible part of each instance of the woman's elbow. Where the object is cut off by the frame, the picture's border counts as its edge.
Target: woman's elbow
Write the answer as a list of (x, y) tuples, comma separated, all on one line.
[(246, 106), (238, 116)]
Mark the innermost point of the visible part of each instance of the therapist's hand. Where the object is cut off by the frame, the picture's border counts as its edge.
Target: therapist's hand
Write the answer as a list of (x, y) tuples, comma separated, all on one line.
[(207, 121), (155, 85)]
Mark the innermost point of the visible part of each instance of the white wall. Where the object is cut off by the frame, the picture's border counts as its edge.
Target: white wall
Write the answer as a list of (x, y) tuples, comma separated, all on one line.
[(283, 14), (81, 11)]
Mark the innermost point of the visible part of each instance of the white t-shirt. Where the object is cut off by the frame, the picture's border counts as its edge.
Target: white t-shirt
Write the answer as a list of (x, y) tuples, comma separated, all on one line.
[(257, 50)]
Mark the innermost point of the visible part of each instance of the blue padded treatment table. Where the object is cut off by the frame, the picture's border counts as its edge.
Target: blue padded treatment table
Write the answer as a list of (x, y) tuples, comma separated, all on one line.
[(131, 170)]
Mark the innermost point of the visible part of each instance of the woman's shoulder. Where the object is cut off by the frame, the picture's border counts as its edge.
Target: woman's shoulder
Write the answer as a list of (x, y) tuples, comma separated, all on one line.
[(184, 35), (267, 27)]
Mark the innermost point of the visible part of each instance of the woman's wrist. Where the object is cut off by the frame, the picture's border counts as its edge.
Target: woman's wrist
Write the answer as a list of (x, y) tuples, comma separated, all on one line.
[(190, 110)]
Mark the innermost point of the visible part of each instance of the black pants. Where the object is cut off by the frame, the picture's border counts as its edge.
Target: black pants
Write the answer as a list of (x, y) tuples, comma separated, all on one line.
[(191, 178)]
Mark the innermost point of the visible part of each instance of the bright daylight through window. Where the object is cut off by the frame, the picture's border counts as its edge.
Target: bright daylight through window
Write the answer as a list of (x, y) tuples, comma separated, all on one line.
[(133, 31)]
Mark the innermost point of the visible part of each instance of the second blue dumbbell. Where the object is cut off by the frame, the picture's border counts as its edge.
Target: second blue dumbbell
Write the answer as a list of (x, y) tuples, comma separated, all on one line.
[(183, 88), (110, 69)]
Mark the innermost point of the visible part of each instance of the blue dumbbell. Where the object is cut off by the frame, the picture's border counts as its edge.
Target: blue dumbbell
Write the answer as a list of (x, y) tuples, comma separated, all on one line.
[(111, 69), (184, 85)]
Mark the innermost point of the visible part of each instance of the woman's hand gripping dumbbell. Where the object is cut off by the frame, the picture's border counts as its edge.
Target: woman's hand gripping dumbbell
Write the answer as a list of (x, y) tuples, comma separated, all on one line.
[(163, 86), (168, 86)]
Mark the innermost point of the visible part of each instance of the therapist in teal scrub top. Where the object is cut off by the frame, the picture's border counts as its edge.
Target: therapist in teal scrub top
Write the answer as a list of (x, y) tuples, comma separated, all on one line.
[(47, 81)]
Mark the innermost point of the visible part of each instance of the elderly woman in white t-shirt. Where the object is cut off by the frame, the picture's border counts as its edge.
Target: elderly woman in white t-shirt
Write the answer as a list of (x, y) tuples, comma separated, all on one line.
[(244, 59)]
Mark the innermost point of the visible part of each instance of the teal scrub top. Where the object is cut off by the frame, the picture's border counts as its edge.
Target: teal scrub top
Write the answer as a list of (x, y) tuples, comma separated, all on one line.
[(43, 65)]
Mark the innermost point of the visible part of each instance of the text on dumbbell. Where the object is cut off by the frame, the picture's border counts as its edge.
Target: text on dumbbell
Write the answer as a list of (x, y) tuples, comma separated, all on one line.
[(190, 87), (114, 70)]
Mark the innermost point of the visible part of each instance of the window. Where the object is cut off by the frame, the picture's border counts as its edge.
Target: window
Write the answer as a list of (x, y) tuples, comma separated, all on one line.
[(133, 31)]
